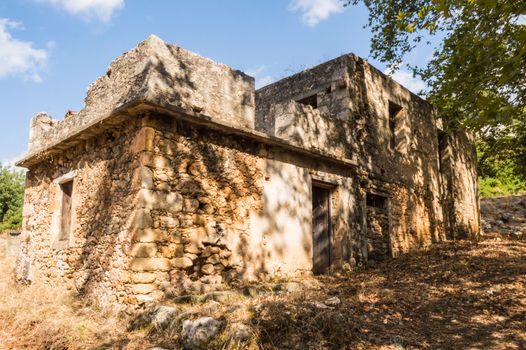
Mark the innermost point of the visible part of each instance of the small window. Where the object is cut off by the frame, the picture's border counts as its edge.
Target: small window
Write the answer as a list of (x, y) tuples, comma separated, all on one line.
[(65, 215), (376, 201), (394, 111), (310, 101)]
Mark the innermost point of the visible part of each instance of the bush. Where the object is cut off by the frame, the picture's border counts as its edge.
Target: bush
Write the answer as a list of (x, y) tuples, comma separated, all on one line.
[(11, 198), (492, 187)]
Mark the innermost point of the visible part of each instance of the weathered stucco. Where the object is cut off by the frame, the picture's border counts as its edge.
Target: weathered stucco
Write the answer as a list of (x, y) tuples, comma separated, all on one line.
[(460, 192), (186, 179)]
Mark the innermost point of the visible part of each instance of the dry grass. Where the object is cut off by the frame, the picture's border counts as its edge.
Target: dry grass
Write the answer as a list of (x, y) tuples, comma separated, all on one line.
[(48, 317)]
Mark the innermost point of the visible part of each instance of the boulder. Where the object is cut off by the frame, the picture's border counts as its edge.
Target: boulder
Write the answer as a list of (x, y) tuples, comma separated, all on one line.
[(198, 333), (332, 301), (240, 332), (161, 317), (505, 217)]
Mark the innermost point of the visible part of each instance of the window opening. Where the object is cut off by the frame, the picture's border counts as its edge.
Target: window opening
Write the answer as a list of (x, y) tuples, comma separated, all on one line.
[(310, 101), (65, 215), (394, 111), (376, 201)]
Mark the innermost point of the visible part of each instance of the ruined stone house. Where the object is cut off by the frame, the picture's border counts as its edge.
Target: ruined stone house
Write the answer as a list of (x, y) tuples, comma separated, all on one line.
[(178, 176)]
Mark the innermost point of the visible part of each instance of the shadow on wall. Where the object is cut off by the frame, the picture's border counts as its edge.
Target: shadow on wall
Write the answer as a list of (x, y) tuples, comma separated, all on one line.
[(281, 233), (401, 152), (104, 211), (175, 77), (460, 190), (175, 85)]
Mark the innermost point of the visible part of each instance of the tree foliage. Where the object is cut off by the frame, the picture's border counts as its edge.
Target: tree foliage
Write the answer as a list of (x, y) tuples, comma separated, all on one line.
[(11, 198), (477, 74)]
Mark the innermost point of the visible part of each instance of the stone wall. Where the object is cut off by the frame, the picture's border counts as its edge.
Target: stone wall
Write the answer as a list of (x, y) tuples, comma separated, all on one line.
[(218, 209), (355, 98), (163, 208), (195, 198), (459, 184), (312, 129), (93, 259), (329, 81), (409, 171), (155, 73)]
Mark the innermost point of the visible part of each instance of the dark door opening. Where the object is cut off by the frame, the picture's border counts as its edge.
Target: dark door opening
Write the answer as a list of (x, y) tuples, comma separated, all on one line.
[(321, 230), (378, 239)]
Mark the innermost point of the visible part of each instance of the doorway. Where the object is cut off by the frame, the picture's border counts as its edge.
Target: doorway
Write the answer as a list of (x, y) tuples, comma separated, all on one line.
[(321, 229)]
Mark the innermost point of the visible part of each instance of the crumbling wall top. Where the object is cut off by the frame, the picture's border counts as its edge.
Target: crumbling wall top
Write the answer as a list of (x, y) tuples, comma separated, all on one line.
[(159, 74)]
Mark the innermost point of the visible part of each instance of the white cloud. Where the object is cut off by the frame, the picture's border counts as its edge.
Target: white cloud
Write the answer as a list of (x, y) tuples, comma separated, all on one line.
[(88, 9), (261, 80), (521, 19), (264, 81), (10, 161), (415, 84), (17, 56), (315, 11)]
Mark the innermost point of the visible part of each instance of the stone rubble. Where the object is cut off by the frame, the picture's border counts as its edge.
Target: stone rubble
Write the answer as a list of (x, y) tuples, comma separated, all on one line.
[(196, 334)]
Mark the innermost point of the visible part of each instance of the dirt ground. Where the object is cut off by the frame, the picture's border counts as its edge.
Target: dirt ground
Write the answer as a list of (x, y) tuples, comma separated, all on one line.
[(457, 295)]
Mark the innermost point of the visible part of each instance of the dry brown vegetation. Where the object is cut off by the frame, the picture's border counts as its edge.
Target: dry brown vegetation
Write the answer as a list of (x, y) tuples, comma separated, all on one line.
[(457, 295), (46, 317)]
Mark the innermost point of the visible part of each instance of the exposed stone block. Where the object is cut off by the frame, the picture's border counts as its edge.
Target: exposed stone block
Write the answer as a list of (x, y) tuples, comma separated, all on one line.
[(182, 263), (207, 269), (143, 250), (143, 277), (142, 178), (142, 288), (213, 259), (144, 141), (172, 250), (191, 205), (143, 219), (150, 264), (149, 235), (192, 247)]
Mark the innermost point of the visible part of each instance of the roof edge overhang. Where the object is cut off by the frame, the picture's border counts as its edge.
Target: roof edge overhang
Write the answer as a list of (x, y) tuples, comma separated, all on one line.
[(140, 107)]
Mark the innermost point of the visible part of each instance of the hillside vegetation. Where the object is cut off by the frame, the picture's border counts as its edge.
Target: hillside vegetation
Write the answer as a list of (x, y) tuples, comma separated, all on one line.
[(11, 198)]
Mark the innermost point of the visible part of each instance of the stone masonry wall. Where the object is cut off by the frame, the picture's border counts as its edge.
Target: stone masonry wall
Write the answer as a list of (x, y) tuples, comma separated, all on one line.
[(459, 184), (409, 172), (217, 209), (329, 81), (402, 163), (93, 260), (196, 194), (157, 73), (163, 208)]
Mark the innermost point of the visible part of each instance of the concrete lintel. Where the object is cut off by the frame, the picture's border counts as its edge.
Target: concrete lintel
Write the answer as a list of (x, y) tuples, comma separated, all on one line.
[(65, 178)]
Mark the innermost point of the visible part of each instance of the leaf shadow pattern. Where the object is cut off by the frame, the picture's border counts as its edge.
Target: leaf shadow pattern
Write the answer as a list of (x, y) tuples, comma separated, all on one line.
[(459, 295)]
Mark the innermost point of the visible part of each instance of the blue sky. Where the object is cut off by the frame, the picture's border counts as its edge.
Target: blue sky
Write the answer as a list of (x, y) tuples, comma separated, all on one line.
[(51, 50)]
